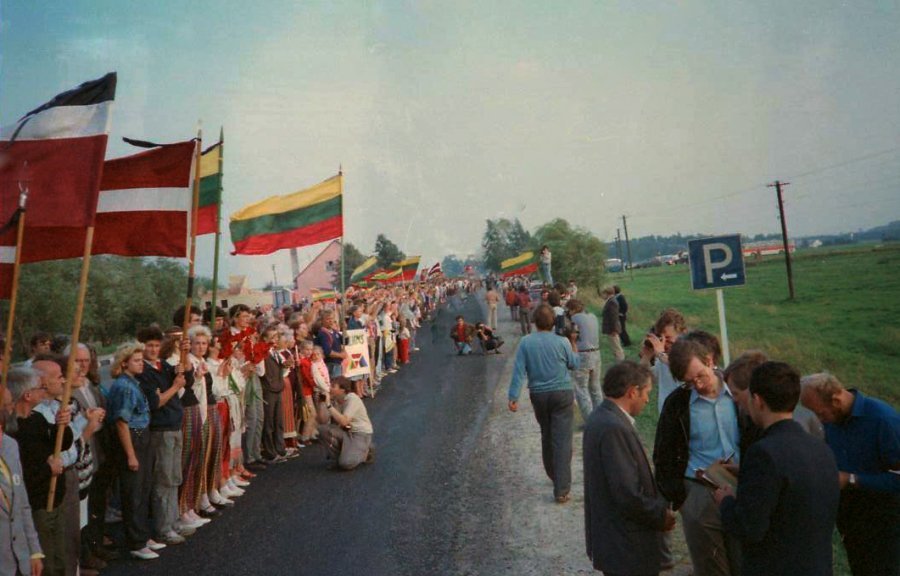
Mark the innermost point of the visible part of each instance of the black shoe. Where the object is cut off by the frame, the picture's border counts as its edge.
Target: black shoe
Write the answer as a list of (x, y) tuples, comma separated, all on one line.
[(211, 513), (256, 467)]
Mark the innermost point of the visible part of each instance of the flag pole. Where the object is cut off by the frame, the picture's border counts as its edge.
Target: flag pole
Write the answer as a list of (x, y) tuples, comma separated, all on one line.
[(195, 204), (71, 368), (14, 293), (341, 177), (215, 286)]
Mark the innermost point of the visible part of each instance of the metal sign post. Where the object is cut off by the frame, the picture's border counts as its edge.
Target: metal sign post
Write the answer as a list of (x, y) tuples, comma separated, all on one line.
[(718, 263)]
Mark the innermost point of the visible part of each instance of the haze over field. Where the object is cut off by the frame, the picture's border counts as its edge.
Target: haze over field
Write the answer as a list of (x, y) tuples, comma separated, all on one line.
[(444, 114)]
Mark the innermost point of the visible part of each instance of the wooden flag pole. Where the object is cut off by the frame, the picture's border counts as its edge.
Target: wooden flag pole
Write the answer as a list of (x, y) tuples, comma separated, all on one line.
[(73, 346), (14, 293), (195, 205), (215, 286)]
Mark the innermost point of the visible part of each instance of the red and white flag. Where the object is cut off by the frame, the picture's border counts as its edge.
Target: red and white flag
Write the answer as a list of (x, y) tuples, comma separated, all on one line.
[(435, 270), (57, 152), (143, 210)]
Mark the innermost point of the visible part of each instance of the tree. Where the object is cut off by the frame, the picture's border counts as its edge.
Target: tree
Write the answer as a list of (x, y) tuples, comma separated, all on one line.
[(577, 254), (353, 258), (504, 238), (387, 252)]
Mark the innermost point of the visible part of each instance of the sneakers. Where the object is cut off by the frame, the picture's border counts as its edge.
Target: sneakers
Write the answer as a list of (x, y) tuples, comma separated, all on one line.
[(154, 545), (144, 553), (239, 482), (228, 492)]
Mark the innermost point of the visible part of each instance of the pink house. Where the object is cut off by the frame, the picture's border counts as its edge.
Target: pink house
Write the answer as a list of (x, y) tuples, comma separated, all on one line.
[(321, 272)]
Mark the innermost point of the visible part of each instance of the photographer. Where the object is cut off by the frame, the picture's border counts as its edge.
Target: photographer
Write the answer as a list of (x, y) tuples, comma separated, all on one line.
[(489, 341), (655, 351), (345, 428)]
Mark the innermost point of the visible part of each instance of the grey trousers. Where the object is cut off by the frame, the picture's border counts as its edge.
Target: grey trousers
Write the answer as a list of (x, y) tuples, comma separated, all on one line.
[(588, 392), (273, 425), (351, 449), (254, 415), (71, 509), (492, 317), (167, 447), (555, 412), (713, 551), (525, 320)]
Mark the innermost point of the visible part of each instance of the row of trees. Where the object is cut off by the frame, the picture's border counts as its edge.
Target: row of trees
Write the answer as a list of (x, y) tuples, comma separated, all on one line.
[(123, 295), (577, 253)]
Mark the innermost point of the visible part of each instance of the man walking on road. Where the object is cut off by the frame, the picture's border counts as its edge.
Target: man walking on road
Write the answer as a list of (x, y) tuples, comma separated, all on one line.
[(586, 337), (625, 517), (492, 298), (545, 360)]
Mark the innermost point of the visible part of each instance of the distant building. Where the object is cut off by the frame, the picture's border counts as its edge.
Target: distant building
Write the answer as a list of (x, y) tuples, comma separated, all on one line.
[(321, 272), (767, 248), (239, 292)]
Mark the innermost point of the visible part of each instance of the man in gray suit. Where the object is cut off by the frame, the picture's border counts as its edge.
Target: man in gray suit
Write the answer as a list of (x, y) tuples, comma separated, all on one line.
[(625, 517), (20, 549)]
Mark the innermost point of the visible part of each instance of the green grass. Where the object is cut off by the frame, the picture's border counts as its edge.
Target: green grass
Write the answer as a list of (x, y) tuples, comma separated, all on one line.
[(845, 319)]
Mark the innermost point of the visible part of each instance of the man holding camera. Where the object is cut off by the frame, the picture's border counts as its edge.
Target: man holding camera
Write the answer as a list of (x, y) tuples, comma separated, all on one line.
[(345, 428)]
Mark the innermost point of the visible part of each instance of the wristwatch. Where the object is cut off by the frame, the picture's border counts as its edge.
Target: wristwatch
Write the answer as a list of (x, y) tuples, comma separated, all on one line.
[(328, 406)]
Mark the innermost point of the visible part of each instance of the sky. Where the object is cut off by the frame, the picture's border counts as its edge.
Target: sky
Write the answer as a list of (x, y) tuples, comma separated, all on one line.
[(444, 114)]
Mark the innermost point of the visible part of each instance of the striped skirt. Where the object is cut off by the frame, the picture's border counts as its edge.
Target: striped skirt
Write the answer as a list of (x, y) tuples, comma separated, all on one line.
[(192, 454), (287, 406), (212, 477), (225, 419)]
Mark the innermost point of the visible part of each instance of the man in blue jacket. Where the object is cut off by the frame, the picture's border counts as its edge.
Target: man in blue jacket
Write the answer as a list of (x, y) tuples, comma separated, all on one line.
[(788, 493), (544, 359)]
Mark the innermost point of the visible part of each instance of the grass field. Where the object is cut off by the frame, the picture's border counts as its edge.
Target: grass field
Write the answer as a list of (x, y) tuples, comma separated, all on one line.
[(845, 320)]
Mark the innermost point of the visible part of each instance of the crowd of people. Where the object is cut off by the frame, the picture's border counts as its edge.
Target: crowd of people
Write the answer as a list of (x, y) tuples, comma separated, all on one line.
[(760, 462), (187, 421)]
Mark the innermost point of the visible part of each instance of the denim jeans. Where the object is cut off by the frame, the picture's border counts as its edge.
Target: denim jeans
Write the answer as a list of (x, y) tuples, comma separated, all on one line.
[(554, 412)]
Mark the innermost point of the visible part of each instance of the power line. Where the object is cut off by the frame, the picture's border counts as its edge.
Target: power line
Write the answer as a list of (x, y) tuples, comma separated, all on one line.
[(845, 163)]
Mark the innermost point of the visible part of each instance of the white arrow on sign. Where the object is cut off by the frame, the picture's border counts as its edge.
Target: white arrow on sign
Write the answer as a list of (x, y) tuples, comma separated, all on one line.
[(729, 276)]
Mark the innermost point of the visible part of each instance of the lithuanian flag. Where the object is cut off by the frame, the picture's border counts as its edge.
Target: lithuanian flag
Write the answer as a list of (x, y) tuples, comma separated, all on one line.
[(388, 275), (303, 218), (322, 294), (523, 264), (364, 269), (210, 190), (408, 267)]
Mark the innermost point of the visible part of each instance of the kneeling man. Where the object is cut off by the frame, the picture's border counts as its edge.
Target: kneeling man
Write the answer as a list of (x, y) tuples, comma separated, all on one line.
[(345, 428)]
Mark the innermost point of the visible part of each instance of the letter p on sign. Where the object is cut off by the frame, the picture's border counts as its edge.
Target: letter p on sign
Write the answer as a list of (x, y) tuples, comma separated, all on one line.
[(721, 261)]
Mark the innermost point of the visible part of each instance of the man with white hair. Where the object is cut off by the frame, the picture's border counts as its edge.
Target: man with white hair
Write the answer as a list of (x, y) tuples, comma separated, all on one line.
[(20, 547), (864, 434)]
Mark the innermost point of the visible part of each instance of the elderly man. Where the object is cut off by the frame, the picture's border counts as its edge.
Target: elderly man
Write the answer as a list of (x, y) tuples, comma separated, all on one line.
[(36, 437), (20, 548), (864, 434), (625, 516), (545, 359)]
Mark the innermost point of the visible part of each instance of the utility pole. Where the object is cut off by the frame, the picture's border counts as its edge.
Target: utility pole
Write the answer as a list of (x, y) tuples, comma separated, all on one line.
[(784, 235), (274, 278), (619, 247), (628, 246)]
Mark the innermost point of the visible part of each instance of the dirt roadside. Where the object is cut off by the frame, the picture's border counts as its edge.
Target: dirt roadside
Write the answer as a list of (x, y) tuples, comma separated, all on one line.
[(511, 523)]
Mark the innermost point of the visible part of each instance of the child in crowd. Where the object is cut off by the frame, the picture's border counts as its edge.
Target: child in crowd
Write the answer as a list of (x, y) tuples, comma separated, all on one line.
[(320, 371)]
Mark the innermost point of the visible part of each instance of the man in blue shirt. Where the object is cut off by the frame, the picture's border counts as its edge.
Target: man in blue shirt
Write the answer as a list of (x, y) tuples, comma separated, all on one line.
[(864, 434), (545, 360)]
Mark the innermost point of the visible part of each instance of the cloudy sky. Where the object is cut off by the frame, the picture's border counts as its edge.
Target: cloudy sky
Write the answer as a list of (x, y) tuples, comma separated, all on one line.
[(444, 114)]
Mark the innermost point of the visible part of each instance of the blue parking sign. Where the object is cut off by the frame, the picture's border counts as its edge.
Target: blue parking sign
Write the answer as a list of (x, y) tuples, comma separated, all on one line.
[(717, 262)]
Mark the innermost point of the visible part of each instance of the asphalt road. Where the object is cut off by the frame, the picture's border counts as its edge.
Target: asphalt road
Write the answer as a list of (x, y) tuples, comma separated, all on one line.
[(401, 515)]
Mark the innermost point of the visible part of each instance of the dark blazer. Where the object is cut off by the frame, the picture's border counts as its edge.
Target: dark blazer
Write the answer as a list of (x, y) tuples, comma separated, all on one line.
[(787, 504), (272, 380), (611, 323), (624, 515)]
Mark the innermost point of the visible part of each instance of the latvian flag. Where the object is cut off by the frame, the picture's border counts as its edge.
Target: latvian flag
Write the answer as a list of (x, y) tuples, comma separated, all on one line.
[(143, 209), (56, 151), (435, 270), (303, 218)]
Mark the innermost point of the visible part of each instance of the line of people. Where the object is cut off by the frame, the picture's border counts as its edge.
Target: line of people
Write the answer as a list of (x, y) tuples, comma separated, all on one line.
[(186, 423)]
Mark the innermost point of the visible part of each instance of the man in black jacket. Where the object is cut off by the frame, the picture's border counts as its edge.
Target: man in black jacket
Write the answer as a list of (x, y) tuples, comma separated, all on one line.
[(788, 489), (625, 517)]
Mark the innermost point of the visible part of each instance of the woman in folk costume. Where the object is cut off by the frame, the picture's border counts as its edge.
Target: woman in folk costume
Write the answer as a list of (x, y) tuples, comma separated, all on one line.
[(211, 479), (284, 345), (193, 454), (220, 370)]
